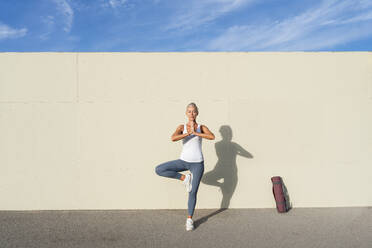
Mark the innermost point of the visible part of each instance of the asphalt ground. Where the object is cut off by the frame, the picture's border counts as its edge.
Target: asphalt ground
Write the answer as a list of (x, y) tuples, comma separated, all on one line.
[(300, 227)]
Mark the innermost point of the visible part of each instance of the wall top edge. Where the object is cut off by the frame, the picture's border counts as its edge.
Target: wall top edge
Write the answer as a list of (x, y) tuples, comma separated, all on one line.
[(224, 52)]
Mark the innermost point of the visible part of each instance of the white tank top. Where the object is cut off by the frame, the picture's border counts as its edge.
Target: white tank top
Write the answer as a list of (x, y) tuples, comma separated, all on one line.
[(192, 147)]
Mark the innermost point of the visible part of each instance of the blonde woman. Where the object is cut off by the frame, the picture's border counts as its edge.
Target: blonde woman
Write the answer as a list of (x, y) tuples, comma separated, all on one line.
[(191, 158)]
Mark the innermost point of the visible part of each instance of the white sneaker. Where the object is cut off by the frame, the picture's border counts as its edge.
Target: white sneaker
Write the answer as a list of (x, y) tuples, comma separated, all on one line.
[(189, 224), (187, 182)]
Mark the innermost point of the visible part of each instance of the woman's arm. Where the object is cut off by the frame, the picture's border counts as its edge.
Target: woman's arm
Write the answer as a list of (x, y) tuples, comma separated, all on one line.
[(206, 133), (178, 134)]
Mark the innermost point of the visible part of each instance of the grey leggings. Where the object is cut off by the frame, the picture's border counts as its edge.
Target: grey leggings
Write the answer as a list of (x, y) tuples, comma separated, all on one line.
[(171, 169)]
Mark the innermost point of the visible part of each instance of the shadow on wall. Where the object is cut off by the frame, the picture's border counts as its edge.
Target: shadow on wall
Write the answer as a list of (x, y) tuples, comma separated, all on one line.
[(225, 169)]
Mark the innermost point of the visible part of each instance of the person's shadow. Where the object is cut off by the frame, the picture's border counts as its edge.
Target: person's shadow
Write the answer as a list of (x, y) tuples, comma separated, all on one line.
[(225, 169)]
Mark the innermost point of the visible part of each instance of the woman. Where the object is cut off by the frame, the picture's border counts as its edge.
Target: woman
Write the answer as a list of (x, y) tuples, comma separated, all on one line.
[(191, 158)]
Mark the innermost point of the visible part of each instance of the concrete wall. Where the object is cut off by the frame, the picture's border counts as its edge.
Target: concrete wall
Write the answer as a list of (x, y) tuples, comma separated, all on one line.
[(86, 130)]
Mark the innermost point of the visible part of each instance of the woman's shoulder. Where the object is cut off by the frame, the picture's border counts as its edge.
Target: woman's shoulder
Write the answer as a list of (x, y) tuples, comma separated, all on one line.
[(181, 127), (204, 128)]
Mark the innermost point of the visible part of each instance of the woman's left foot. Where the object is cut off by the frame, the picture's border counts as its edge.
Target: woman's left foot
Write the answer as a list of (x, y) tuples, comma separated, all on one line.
[(189, 224)]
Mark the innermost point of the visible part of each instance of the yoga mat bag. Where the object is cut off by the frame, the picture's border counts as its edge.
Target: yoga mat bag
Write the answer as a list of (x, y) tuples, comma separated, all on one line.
[(278, 191)]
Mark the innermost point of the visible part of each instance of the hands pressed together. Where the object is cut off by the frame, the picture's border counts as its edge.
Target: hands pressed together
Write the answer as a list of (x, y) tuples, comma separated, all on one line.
[(191, 130)]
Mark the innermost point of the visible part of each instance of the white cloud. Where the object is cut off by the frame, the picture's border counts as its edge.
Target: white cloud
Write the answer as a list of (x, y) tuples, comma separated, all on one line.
[(331, 23), (67, 12), (113, 3), (363, 17), (49, 22), (7, 32), (194, 13)]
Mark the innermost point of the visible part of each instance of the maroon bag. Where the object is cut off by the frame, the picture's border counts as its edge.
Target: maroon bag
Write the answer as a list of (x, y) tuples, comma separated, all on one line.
[(282, 204)]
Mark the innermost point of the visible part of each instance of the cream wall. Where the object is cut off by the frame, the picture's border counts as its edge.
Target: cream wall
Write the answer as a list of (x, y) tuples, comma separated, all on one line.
[(86, 130)]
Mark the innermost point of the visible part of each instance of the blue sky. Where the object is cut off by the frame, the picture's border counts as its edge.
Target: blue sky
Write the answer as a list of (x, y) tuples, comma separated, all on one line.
[(185, 25)]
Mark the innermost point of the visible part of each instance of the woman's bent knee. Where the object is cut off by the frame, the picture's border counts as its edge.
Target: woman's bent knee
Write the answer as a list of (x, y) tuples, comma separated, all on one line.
[(158, 170)]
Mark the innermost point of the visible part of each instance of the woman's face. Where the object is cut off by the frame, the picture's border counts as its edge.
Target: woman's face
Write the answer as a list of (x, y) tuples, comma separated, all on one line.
[(191, 113)]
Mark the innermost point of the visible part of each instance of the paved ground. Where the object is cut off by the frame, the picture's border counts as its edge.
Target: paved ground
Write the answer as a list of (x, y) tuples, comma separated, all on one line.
[(301, 227)]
